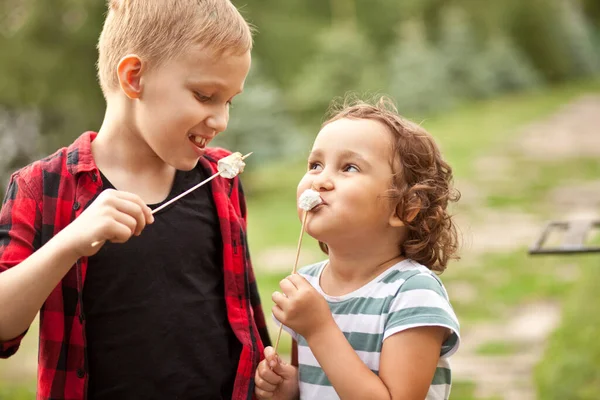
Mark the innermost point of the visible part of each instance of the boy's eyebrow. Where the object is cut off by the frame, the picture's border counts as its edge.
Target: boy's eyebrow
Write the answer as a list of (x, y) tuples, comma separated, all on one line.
[(213, 84)]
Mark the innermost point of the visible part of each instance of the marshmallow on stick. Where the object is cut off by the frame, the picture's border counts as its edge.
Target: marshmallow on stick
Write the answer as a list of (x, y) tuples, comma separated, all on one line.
[(232, 165), (228, 167), (307, 201)]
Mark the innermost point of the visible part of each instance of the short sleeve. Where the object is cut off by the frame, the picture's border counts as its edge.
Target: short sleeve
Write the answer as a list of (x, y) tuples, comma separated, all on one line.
[(423, 301)]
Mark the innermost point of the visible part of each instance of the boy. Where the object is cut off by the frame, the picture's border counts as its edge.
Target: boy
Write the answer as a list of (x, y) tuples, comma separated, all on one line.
[(161, 308)]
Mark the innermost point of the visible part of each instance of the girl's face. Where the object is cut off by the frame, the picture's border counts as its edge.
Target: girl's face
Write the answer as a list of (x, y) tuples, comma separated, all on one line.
[(350, 166)]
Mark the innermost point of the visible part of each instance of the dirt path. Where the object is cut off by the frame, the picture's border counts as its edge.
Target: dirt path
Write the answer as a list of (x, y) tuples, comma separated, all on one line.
[(570, 133)]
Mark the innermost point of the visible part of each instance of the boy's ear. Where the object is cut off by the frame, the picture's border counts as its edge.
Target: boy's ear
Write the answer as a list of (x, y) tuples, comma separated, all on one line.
[(129, 72)]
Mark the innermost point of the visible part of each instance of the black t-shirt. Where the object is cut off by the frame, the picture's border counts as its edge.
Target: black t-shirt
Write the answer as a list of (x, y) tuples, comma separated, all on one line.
[(155, 316)]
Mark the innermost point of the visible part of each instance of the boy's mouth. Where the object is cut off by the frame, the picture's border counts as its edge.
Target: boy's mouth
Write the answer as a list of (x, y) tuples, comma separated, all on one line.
[(198, 141)]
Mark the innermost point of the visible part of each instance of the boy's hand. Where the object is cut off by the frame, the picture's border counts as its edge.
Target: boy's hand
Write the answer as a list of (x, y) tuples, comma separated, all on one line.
[(275, 379), (113, 216), (301, 307)]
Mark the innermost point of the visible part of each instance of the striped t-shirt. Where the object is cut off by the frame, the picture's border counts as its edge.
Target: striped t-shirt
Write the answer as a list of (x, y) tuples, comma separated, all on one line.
[(405, 296)]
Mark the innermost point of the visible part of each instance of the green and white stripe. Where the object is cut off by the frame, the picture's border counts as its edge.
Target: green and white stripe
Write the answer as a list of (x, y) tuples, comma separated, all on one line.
[(405, 296)]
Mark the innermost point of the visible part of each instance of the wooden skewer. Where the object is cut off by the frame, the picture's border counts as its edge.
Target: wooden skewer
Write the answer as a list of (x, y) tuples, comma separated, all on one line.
[(174, 199), (293, 270)]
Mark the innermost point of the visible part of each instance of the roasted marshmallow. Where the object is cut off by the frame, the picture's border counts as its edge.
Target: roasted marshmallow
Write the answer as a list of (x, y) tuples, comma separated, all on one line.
[(309, 199), (231, 165)]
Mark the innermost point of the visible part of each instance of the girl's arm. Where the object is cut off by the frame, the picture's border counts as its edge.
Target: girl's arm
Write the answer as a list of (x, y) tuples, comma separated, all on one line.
[(408, 363)]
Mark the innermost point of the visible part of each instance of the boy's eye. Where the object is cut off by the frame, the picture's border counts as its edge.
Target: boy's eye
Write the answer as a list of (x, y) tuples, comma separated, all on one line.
[(351, 168), (313, 166), (202, 98)]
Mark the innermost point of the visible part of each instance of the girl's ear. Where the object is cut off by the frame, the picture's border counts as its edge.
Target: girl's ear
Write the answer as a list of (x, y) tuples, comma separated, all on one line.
[(405, 214)]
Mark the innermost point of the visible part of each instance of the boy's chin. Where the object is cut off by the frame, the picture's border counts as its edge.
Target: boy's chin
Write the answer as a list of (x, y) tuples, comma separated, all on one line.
[(184, 165)]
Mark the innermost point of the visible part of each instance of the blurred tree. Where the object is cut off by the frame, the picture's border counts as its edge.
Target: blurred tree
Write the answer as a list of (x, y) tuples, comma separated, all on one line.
[(260, 122), (419, 79), (345, 62), (48, 63), (584, 51), (469, 76)]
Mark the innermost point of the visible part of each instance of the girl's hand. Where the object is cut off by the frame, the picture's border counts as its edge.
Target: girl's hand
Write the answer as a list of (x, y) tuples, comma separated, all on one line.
[(275, 379), (301, 307)]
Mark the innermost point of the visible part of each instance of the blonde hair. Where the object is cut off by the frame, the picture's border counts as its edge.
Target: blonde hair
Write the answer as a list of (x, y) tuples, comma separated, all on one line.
[(422, 186), (159, 30)]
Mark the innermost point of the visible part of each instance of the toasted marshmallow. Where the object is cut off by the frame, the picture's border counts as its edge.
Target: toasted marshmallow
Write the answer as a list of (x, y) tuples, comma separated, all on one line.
[(231, 165), (309, 199)]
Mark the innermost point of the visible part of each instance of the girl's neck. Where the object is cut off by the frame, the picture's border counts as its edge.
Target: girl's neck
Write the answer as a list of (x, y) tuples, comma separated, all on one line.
[(349, 271)]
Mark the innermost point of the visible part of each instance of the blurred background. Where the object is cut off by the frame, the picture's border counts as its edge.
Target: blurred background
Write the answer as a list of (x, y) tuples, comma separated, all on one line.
[(509, 88)]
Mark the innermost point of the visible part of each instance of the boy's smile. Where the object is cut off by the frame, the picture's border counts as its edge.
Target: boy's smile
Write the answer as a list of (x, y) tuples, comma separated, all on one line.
[(183, 104)]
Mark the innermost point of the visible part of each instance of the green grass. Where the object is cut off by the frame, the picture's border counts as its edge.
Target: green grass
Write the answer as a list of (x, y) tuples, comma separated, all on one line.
[(497, 349), (508, 280), (16, 393), (537, 180), (570, 367), (475, 129)]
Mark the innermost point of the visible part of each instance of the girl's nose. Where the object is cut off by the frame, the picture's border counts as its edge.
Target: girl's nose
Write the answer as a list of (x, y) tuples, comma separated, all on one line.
[(322, 183)]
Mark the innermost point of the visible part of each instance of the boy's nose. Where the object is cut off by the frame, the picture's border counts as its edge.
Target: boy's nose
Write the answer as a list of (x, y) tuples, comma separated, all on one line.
[(218, 121)]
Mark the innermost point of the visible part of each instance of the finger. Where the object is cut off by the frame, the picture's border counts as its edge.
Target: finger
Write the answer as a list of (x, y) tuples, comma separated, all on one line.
[(270, 356), (268, 379), (134, 210), (279, 299), (278, 313), (125, 219), (120, 233), (298, 281), (263, 384), (134, 198), (287, 287), (285, 371), (261, 394)]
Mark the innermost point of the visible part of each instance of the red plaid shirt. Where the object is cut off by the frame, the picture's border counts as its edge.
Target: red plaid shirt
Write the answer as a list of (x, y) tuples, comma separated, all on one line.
[(44, 198)]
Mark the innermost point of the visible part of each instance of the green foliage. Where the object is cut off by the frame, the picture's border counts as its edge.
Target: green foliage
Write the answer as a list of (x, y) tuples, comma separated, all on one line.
[(345, 62), (419, 76), (260, 122)]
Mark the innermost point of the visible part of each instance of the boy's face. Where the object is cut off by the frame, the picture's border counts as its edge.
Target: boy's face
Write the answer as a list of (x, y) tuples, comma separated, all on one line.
[(350, 167), (185, 102)]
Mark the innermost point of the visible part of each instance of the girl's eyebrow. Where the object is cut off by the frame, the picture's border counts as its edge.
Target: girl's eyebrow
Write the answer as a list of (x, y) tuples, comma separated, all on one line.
[(346, 154)]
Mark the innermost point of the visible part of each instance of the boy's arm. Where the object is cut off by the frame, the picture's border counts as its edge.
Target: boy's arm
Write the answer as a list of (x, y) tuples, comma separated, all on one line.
[(25, 278), (259, 315), (27, 274)]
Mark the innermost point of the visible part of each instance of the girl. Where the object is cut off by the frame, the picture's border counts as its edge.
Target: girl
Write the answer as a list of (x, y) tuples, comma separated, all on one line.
[(373, 321)]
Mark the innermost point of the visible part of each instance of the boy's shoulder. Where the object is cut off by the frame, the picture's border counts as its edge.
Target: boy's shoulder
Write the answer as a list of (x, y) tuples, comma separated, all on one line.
[(68, 159)]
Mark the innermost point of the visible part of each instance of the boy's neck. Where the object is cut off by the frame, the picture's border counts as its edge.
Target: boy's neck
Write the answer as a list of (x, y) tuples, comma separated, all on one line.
[(123, 156)]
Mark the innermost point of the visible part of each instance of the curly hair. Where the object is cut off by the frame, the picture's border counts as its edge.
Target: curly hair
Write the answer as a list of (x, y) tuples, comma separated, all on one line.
[(422, 185)]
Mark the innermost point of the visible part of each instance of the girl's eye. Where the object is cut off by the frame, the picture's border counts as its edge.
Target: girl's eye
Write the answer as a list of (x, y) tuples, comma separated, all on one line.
[(350, 168), (313, 166)]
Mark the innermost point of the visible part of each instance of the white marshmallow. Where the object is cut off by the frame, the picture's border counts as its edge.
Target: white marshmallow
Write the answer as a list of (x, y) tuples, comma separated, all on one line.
[(309, 199), (231, 165)]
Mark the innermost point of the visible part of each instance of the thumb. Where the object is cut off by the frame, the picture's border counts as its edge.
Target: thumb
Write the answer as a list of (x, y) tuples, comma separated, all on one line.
[(284, 370), (271, 357)]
